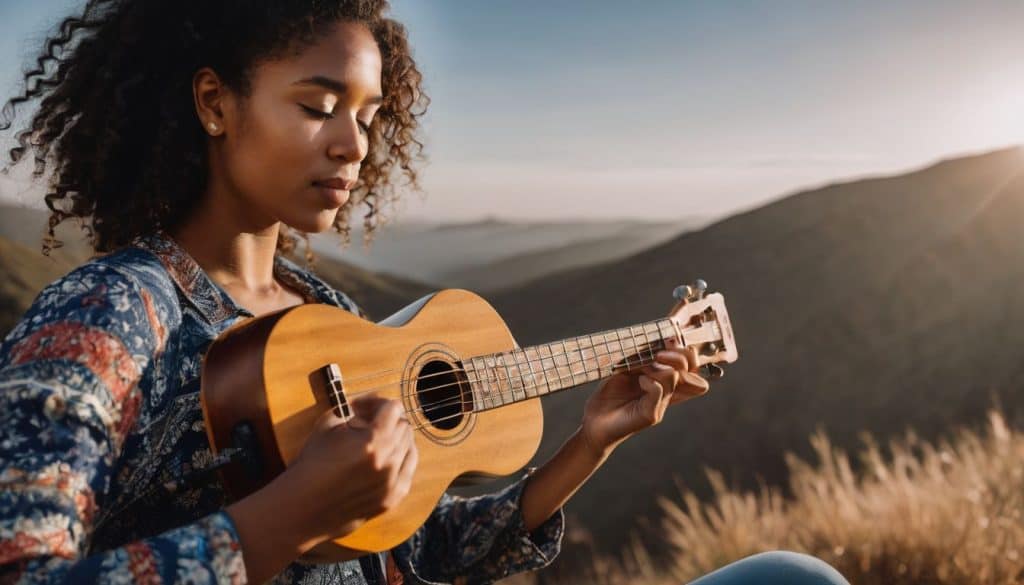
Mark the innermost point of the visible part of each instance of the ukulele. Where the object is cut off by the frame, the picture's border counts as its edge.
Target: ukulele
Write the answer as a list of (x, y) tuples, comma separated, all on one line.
[(469, 390)]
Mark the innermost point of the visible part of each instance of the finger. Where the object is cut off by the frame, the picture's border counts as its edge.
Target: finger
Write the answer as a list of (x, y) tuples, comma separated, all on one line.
[(403, 445), (365, 408), (673, 357), (653, 391), (666, 375), (398, 438), (328, 419), (409, 463), (389, 415), (692, 358), (691, 385)]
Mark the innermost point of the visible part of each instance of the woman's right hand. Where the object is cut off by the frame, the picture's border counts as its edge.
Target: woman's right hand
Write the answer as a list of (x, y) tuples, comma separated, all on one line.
[(350, 471), (346, 473)]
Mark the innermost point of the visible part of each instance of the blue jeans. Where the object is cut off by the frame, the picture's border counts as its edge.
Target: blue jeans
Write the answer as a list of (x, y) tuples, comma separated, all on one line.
[(767, 568)]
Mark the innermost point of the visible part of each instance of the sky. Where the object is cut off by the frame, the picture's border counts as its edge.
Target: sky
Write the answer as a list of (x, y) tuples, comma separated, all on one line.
[(600, 110)]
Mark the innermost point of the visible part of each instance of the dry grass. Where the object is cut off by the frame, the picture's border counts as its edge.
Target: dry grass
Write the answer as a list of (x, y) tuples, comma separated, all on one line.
[(950, 513)]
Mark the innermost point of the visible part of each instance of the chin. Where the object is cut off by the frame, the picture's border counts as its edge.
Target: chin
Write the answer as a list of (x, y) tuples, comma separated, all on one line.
[(313, 225)]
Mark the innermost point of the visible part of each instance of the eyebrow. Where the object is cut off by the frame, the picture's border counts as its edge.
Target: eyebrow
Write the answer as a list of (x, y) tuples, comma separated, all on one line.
[(334, 85)]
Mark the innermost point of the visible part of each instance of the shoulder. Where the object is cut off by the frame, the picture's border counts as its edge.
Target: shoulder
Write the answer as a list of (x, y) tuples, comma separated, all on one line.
[(127, 294)]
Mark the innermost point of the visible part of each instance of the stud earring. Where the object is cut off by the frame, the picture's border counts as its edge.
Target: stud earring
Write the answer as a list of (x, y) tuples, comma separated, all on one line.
[(212, 126)]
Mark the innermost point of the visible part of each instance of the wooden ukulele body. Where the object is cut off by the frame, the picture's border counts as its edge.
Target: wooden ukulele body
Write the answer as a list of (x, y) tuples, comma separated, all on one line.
[(262, 388)]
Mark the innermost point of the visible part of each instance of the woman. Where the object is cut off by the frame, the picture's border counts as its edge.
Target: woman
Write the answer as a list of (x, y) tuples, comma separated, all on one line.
[(192, 136)]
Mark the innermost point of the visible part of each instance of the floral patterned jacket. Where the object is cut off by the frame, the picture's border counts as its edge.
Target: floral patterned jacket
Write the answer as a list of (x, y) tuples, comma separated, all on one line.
[(100, 418)]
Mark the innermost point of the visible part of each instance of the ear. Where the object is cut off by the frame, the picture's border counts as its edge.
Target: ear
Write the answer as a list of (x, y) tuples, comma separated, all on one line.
[(212, 101)]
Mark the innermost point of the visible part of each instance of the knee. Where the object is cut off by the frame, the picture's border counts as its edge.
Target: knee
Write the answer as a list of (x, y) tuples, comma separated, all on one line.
[(779, 566), (796, 568)]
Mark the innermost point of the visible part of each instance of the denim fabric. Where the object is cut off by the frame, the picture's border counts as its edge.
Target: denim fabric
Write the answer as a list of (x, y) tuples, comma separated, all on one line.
[(775, 567)]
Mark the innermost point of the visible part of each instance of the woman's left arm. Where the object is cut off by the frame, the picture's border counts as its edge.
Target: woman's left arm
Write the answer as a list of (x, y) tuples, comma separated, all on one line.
[(486, 538), (625, 404)]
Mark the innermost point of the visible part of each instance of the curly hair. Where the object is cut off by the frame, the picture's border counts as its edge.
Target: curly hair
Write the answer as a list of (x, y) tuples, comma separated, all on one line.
[(117, 112)]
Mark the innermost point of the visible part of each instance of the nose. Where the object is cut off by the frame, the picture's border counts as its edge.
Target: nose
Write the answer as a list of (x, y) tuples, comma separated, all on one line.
[(347, 142)]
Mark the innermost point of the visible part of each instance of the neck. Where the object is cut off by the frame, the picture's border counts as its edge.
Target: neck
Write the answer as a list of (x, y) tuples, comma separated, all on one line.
[(234, 252), (524, 373)]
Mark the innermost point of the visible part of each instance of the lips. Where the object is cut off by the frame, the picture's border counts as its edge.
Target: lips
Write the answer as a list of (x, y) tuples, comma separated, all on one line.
[(337, 183)]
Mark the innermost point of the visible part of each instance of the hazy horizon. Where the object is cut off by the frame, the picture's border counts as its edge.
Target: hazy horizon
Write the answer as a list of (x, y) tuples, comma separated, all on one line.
[(595, 111)]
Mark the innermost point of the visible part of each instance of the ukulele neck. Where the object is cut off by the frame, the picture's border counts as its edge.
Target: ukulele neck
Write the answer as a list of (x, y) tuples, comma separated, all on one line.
[(521, 374)]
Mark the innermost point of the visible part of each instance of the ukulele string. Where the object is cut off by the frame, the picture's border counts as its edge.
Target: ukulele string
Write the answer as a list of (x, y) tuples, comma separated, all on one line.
[(503, 394), (638, 349), (381, 373), (569, 363), (431, 406), (571, 376), (512, 389), (642, 327)]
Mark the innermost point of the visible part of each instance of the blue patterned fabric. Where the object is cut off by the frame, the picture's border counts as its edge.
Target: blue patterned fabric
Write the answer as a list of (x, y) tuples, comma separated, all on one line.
[(99, 408)]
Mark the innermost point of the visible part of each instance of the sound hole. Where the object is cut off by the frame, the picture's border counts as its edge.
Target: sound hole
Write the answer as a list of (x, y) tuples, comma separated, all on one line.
[(440, 391)]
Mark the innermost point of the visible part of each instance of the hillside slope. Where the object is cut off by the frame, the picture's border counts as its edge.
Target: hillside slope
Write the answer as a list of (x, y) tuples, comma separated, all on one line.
[(873, 305)]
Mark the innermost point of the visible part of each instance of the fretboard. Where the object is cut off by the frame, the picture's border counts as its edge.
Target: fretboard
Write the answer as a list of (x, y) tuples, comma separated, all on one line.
[(524, 373)]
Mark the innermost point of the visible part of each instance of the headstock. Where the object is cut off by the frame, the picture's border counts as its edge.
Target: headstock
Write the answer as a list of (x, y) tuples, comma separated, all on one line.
[(702, 322)]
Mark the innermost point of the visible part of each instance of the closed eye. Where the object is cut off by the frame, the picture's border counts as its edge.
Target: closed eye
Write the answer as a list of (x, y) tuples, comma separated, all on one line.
[(317, 114)]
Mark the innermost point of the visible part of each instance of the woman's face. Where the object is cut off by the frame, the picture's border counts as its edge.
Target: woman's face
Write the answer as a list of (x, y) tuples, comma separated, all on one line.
[(305, 121)]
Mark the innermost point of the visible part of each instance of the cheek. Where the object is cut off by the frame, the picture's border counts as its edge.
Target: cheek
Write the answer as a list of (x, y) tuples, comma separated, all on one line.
[(272, 161)]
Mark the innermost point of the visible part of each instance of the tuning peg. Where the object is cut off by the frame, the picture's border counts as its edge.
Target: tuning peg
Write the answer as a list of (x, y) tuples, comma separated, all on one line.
[(690, 292), (712, 371), (700, 287)]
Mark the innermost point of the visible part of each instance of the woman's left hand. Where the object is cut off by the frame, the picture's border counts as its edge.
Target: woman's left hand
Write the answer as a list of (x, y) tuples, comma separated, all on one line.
[(629, 402)]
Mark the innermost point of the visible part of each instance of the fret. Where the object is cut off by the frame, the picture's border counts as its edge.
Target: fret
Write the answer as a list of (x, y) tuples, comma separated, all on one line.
[(517, 379), (568, 364), (583, 359), (662, 342), (553, 356), (492, 378), (543, 367), (650, 340), (604, 354), (597, 355), (622, 349), (508, 376), (504, 389), (470, 370), (533, 374), (658, 339), (496, 372), (488, 388), (636, 348), (531, 386), (666, 330), (481, 384), (467, 368), (520, 381), (613, 355), (595, 359)]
